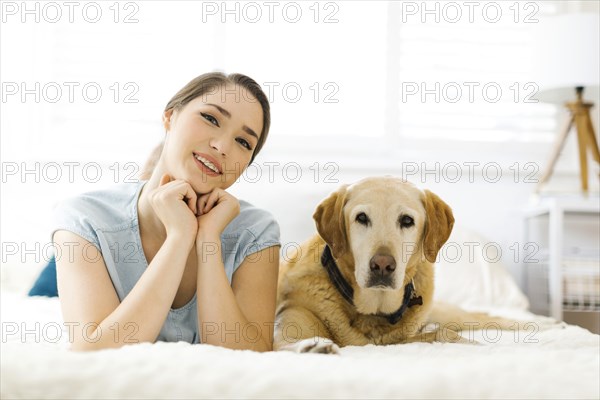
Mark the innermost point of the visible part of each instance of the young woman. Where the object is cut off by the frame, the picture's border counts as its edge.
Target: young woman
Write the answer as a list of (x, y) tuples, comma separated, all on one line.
[(175, 257)]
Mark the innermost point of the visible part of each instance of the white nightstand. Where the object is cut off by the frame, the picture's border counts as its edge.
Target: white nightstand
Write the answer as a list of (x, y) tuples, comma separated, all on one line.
[(564, 233)]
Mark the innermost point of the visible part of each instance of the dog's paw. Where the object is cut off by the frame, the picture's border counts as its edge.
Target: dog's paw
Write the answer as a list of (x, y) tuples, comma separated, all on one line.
[(432, 334), (315, 345), (446, 335), (466, 340)]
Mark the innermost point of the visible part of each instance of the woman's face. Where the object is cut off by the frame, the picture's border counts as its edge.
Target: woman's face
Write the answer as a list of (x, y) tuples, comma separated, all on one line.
[(210, 141)]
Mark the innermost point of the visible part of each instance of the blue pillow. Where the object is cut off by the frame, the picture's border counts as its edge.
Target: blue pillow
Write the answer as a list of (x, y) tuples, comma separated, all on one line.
[(45, 285)]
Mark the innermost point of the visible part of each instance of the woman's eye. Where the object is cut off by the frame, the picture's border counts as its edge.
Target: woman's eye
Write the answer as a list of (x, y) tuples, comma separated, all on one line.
[(210, 119), (244, 143), (406, 221)]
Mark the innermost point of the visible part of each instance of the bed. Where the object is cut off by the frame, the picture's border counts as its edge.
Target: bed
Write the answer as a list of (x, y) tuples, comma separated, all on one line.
[(561, 361)]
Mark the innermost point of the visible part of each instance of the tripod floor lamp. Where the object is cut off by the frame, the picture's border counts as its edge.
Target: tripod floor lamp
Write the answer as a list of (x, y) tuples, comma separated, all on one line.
[(568, 52)]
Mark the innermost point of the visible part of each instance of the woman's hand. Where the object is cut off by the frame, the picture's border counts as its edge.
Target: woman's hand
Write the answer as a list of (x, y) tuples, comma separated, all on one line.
[(215, 211), (175, 203)]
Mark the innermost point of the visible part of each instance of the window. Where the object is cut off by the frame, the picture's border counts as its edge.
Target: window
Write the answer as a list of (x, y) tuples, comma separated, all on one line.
[(339, 73), (466, 73)]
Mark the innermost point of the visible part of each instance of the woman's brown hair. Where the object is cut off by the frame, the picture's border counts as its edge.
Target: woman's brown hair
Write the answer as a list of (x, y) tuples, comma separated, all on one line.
[(201, 85)]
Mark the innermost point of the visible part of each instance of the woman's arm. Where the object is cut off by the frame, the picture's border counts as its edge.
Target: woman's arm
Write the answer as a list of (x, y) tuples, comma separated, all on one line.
[(240, 316), (90, 306)]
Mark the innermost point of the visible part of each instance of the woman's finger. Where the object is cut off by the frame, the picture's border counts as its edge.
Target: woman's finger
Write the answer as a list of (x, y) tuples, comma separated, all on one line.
[(212, 200), (182, 189), (206, 202), (201, 204), (190, 197)]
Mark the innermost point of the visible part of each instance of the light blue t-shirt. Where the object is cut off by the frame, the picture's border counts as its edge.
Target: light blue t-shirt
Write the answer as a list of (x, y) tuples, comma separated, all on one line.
[(108, 219)]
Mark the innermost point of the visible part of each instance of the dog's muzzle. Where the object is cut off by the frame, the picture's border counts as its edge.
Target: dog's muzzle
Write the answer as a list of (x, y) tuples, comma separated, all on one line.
[(381, 268)]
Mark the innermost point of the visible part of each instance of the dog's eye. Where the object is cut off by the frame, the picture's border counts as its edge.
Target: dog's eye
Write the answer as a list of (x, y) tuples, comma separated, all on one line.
[(362, 218), (406, 221)]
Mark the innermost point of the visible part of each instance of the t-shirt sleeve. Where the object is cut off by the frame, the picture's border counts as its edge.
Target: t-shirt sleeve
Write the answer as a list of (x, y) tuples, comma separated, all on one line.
[(77, 216), (262, 233), (257, 230)]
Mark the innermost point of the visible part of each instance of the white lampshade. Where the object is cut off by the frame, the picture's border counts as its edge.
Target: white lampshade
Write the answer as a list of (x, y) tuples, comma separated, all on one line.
[(566, 56)]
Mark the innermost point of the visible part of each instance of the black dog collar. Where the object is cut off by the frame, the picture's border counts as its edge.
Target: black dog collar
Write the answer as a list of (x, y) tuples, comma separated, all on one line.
[(342, 285)]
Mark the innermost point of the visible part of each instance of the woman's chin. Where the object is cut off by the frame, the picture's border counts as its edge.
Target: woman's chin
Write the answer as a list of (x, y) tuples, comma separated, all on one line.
[(201, 183), (201, 188)]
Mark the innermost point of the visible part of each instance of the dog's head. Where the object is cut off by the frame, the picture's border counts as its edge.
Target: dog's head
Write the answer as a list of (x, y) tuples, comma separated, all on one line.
[(386, 224)]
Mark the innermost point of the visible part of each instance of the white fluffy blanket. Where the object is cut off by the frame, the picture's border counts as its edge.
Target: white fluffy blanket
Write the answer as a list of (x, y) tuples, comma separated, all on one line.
[(562, 362)]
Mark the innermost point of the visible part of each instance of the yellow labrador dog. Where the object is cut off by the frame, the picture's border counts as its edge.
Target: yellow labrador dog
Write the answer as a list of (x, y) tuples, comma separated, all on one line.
[(367, 277)]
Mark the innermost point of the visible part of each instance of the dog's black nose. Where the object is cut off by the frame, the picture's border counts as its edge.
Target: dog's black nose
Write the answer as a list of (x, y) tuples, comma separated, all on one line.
[(382, 264)]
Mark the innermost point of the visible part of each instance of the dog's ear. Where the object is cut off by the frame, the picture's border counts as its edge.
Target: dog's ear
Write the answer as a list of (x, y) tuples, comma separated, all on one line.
[(438, 225), (329, 218)]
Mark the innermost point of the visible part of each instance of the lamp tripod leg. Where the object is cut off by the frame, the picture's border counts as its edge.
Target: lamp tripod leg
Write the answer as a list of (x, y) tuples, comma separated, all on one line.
[(582, 143), (560, 142), (592, 138)]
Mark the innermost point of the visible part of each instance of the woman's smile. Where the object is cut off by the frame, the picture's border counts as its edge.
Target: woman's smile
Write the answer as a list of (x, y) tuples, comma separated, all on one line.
[(208, 164)]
